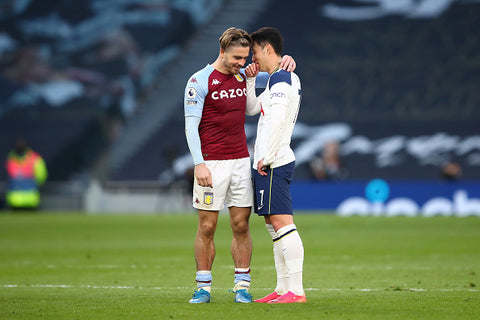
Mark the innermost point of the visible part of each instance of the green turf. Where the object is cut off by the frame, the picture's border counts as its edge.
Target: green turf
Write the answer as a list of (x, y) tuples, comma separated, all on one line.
[(74, 266)]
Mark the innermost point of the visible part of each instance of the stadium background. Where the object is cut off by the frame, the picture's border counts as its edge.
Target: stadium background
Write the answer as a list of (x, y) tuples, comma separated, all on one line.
[(96, 87)]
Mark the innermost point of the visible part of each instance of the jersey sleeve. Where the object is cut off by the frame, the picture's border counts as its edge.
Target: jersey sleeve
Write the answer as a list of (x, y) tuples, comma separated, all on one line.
[(279, 88), (194, 99), (193, 139), (195, 93), (253, 102)]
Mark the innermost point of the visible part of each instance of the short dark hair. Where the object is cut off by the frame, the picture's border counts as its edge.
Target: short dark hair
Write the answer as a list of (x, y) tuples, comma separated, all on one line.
[(269, 35)]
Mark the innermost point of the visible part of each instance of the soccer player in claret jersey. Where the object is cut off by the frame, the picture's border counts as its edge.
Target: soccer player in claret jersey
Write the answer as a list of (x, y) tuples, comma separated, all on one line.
[(215, 108), (274, 162)]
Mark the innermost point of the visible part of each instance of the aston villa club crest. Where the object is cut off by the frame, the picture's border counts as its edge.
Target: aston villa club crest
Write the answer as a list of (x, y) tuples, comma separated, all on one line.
[(239, 77), (208, 198)]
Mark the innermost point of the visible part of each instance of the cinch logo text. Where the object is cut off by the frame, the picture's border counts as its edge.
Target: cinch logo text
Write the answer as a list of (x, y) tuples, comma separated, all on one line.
[(277, 95)]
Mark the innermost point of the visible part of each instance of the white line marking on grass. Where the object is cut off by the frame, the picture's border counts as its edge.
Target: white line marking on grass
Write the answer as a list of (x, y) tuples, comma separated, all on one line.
[(66, 286), (104, 266), (88, 286)]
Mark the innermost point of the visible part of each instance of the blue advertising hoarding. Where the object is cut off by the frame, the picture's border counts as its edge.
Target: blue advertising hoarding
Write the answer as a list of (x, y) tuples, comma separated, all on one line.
[(389, 198)]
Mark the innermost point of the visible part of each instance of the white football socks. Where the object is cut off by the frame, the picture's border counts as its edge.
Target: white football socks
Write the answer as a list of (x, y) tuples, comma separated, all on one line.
[(292, 249), (280, 266)]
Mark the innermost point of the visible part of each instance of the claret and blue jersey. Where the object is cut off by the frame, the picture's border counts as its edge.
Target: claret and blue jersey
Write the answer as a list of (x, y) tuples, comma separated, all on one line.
[(220, 101)]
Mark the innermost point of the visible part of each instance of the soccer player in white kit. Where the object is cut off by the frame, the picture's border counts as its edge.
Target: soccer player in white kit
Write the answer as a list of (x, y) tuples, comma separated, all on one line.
[(215, 108), (274, 162)]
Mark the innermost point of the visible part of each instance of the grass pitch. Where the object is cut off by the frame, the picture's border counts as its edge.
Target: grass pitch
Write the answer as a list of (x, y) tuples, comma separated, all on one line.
[(75, 266)]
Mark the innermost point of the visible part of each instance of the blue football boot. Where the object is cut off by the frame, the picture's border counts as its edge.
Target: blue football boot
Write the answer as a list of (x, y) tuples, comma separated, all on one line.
[(242, 296), (200, 296)]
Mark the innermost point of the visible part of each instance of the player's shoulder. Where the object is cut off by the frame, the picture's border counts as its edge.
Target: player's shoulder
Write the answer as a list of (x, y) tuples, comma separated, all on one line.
[(279, 77), (200, 77)]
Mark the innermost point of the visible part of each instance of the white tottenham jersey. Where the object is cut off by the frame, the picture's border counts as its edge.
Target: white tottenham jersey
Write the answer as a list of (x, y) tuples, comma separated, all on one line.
[(278, 106)]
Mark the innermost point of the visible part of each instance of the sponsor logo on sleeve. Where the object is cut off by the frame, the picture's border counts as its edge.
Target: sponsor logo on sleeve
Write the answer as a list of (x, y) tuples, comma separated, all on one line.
[(277, 95)]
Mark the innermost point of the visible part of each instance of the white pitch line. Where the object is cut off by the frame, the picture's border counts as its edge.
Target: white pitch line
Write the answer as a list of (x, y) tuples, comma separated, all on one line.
[(65, 286)]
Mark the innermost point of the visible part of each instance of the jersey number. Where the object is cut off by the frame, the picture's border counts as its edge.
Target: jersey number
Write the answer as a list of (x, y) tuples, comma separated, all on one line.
[(261, 199)]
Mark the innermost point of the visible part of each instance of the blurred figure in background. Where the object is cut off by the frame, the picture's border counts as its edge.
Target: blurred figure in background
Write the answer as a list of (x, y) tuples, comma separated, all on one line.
[(451, 171), (27, 171), (328, 166)]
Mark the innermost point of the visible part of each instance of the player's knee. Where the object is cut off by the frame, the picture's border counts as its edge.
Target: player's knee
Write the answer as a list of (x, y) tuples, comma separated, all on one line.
[(240, 226), (207, 228)]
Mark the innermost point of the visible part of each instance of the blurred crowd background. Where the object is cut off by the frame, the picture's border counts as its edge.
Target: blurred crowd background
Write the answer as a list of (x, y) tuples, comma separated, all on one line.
[(96, 86)]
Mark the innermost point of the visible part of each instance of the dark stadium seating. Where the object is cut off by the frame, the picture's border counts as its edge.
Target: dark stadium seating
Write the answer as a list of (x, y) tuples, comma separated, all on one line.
[(391, 68), (100, 49), (382, 73), (71, 71), (396, 76), (158, 153)]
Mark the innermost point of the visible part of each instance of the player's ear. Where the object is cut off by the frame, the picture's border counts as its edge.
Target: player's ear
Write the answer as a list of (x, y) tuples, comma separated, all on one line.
[(269, 48)]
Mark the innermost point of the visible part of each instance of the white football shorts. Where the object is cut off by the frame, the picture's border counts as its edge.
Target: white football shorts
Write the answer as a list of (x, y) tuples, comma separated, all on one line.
[(232, 185)]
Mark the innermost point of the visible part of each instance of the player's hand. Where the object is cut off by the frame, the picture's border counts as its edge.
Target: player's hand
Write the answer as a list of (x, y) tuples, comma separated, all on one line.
[(203, 175), (252, 70), (261, 168), (287, 63)]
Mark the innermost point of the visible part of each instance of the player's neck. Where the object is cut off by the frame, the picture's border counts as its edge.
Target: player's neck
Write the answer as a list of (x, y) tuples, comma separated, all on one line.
[(274, 65), (272, 71), (218, 65)]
